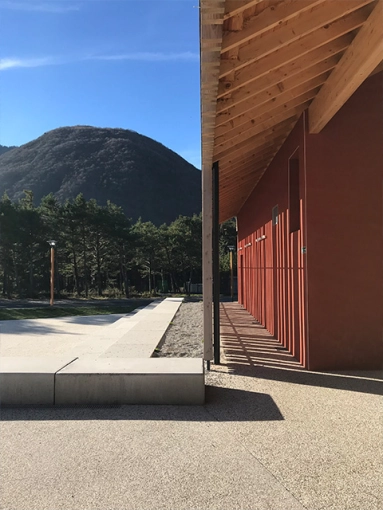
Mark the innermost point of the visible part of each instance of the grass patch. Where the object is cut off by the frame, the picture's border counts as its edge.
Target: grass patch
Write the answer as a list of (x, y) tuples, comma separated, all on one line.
[(57, 311)]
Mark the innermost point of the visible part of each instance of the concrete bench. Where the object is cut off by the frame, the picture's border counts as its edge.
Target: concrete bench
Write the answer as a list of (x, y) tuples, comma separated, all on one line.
[(102, 381), (29, 381), (107, 381)]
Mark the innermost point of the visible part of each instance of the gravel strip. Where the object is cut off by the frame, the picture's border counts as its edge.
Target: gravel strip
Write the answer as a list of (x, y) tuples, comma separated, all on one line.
[(184, 337)]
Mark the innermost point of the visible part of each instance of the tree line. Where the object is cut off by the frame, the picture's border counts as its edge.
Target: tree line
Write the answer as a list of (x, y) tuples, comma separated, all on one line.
[(99, 251)]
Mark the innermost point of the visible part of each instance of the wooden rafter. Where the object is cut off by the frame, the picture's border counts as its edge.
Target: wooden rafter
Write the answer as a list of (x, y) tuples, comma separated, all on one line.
[(359, 60), (289, 31), (259, 139), (237, 172), (287, 71), (256, 141), (232, 167), (235, 7), (268, 19), (268, 99), (249, 156), (295, 108), (263, 62), (237, 159), (299, 48)]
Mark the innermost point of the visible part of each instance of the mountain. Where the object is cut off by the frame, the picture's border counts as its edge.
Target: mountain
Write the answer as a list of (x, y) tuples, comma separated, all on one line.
[(144, 177), (4, 149)]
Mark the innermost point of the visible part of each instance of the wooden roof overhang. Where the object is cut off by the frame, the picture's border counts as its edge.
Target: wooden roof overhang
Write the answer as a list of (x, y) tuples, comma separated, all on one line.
[(263, 62)]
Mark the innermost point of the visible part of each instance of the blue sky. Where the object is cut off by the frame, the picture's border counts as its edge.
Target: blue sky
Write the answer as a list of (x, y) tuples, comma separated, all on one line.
[(132, 64)]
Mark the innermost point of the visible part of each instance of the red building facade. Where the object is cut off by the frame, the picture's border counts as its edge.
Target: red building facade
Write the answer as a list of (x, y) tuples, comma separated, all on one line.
[(310, 239)]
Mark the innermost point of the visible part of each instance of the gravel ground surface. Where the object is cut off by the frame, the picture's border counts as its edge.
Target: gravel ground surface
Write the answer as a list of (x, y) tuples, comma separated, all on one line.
[(184, 337)]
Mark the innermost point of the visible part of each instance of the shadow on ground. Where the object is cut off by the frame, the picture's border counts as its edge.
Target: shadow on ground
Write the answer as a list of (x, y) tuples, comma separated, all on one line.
[(30, 327), (222, 404), (44, 303), (251, 351), (358, 381)]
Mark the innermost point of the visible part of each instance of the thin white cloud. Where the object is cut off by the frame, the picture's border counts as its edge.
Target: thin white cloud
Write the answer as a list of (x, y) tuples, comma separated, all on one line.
[(51, 7), (14, 63), (186, 56)]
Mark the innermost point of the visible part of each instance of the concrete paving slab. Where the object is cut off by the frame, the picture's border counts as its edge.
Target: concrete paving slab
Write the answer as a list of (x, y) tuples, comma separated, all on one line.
[(141, 340), (137, 381), (131, 458), (266, 439), (29, 381), (153, 324), (141, 337), (68, 336), (127, 350)]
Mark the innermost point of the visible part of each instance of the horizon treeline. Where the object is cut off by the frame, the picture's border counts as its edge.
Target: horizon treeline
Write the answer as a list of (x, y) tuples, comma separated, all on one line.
[(99, 251)]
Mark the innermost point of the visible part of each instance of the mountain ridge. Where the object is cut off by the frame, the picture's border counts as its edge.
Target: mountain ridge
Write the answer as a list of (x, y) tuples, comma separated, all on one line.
[(4, 149), (144, 177)]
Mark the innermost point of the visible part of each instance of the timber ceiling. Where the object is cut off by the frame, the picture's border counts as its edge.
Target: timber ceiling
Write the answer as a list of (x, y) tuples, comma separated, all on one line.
[(263, 62)]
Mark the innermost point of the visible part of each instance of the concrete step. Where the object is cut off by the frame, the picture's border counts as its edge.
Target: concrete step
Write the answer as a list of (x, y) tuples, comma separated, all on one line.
[(131, 381), (29, 381), (67, 382)]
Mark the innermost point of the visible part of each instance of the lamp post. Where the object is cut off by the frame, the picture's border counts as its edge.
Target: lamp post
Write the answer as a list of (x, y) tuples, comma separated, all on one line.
[(231, 249), (52, 244)]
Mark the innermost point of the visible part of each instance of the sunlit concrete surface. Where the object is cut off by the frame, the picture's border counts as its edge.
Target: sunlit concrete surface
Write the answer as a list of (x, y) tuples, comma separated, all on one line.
[(131, 381), (271, 436), (265, 440), (90, 336)]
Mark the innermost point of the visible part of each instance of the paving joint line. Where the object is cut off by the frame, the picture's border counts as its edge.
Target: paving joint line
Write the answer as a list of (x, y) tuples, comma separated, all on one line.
[(54, 378), (243, 445)]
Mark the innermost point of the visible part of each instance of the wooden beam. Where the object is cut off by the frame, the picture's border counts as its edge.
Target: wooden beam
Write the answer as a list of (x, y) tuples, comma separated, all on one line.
[(243, 185), (211, 39), (268, 19), (300, 66), (253, 151), (378, 69), (257, 140), (268, 120), (245, 194), (246, 173), (264, 112), (288, 32), (320, 39), (207, 261), (359, 60), (292, 109), (234, 7), (233, 202), (232, 168), (238, 172), (260, 139), (275, 96), (263, 102)]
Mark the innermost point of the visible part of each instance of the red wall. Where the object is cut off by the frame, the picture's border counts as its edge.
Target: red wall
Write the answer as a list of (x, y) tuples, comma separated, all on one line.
[(272, 271), (325, 306), (344, 234)]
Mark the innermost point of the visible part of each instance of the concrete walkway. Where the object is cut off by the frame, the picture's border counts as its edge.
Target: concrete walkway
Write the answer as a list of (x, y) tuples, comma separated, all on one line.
[(268, 438), (90, 336), (99, 361)]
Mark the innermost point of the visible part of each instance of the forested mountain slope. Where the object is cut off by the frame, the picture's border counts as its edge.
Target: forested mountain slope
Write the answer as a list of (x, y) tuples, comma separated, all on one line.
[(133, 171)]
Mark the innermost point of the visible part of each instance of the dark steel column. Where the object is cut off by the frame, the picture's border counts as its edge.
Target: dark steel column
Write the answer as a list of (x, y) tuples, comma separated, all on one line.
[(216, 277)]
